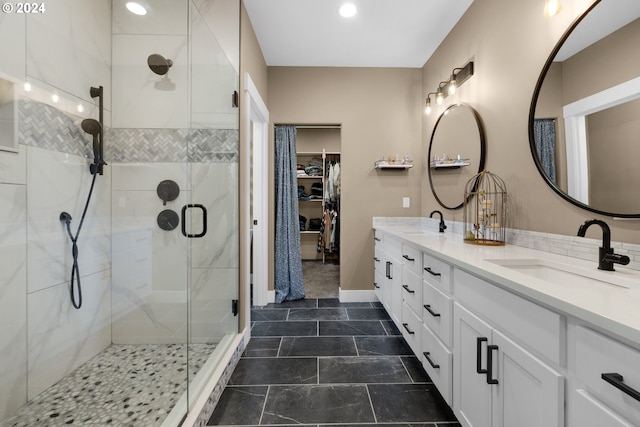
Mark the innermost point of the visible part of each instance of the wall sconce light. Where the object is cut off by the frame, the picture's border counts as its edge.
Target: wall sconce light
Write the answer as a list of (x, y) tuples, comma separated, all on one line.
[(428, 103), (458, 77)]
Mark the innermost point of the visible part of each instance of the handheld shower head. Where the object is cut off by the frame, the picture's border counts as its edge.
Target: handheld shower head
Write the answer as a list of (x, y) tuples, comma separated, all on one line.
[(159, 64), (91, 126), (94, 128)]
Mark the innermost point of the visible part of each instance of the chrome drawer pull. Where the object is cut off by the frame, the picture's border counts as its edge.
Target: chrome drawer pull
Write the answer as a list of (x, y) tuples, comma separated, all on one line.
[(433, 365), (406, 288), (430, 271), (431, 312), (617, 381)]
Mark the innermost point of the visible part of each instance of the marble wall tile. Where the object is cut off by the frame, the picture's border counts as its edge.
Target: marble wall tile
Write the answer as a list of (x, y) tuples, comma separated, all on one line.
[(13, 295), (211, 105), (219, 247), (147, 176), (141, 98), (49, 248), (211, 293), (13, 44), (69, 46), (62, 338), (13, 166)]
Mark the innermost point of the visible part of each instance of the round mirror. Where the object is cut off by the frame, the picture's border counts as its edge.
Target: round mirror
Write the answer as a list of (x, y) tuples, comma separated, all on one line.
[(584, 119), (456, 154)]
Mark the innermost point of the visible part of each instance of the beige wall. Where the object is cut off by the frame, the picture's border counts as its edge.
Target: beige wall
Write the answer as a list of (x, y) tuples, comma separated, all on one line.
[(510, 42), (380, 113), (252, 62)]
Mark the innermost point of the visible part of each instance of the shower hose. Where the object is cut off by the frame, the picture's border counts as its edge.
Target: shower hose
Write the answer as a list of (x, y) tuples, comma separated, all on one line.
[(75, 272)]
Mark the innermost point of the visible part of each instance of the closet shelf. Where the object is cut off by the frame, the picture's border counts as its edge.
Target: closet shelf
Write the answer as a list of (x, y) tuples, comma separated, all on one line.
[(309, 177), (310, 232)]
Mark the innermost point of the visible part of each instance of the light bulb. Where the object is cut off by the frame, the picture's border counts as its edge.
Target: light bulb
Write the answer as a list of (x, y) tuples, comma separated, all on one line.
[(439, 97), (136, 8), (452, 87), (347, 10), (428, 107), (552, 8)]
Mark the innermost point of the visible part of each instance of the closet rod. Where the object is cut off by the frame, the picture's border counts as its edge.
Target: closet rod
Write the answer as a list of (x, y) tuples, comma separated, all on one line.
[(310, 126)]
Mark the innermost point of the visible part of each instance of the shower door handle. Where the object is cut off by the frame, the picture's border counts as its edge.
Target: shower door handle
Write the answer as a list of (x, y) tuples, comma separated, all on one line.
[(184, 222)]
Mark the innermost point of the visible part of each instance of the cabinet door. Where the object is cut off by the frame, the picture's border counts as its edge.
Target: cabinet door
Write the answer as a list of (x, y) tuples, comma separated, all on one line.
[(394, 285), (528, 393), (472, 393)]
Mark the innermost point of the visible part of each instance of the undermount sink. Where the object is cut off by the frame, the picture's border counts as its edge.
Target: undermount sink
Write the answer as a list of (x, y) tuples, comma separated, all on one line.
[(569, 275)]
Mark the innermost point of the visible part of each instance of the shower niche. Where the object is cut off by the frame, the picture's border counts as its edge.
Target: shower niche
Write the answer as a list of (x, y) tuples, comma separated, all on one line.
[(8, 116)]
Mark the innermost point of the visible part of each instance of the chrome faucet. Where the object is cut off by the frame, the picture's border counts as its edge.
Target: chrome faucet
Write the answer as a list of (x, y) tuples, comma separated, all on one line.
[(606, 256), (441, 226)]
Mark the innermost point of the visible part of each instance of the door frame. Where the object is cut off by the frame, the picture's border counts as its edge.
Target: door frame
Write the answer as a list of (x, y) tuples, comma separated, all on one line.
[(257, 133)]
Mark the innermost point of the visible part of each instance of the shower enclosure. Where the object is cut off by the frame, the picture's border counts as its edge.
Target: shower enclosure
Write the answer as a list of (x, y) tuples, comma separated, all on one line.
[(158, 252)]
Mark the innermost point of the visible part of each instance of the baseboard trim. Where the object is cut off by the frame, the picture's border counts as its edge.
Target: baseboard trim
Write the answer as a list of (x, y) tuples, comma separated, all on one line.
[(357, 296)]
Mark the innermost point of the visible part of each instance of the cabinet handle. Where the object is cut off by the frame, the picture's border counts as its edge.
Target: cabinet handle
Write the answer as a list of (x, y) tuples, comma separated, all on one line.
[(479, 342), (406, 288), (431, 312), (390, 276), (616, 380), (408, 258), (376, 259), (430, 271), (377, 240), (375, 285), (386, 273), (406, 326), (433, 365), (490, 379)]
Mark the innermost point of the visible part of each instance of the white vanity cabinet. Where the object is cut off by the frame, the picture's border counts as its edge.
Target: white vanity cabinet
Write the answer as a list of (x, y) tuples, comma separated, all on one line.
[(388, 274), (497, 381), (411, 294), (437, 324), (607, 386)]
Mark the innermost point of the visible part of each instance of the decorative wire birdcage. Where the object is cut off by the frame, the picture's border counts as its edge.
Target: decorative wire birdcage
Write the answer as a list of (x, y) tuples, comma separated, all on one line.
[(485, 196)]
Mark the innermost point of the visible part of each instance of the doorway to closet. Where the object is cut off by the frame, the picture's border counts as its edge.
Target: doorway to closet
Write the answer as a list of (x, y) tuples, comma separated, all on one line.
[(319, 194)]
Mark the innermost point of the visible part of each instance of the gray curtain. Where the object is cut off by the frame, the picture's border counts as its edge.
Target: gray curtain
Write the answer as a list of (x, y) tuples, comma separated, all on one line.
[(544, 131), (289, 284)]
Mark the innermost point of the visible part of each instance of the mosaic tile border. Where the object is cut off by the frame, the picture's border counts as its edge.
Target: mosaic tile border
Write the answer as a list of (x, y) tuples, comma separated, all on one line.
[(214, 397), (571, 246), (43, 126)]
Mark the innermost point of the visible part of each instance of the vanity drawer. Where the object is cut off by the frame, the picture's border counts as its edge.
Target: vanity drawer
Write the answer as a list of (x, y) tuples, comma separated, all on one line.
[(411, 328), (378, 260), (588, 412), (437, 361), (437, 312), (539, 329), (436, 272), (412, 290), (412, 258), (392, 247), (596, 355)]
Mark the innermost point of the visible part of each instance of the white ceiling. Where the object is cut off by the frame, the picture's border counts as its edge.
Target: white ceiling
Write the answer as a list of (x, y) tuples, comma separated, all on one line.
[(384, 33)]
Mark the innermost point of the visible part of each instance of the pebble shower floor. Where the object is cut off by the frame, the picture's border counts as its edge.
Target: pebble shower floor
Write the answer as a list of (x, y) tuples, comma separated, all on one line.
[(125, 385)]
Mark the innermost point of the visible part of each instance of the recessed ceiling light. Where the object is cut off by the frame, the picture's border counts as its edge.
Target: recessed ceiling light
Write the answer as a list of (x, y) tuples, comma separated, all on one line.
[(347, 10), (136, 8)]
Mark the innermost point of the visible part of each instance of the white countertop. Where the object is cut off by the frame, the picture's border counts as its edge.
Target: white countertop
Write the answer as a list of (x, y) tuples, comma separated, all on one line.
[(615, 309)]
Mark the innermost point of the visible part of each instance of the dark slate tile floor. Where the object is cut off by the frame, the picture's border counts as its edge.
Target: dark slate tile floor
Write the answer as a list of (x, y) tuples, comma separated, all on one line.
[(318, 361)]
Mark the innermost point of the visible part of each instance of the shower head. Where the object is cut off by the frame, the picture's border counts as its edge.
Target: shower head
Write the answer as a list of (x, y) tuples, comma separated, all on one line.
[(159, 64), (91, 126), (94, 128)]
